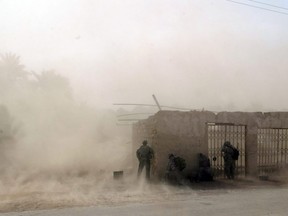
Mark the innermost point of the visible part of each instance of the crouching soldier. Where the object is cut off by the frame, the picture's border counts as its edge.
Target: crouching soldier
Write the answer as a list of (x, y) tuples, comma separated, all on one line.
[(174, 167), (204, 172)]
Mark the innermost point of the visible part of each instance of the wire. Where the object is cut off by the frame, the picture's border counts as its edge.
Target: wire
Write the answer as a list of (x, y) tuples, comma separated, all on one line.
[(257, 7), (135, 114), (130, 119), (135, 104), (268, 4), (170, 107)]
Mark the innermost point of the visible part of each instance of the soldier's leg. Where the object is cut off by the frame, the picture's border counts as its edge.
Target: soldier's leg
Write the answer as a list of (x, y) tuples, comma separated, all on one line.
[(226, 169), (148, 169), (232, 171), (200, 174), (179, 178), (140, 168)]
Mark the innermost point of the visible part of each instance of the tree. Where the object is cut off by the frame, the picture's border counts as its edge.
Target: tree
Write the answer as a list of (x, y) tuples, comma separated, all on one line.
[(54, 84), (12, 72)]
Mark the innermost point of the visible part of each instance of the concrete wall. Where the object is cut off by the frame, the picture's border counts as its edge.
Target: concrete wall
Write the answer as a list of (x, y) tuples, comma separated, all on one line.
[(185, 134)]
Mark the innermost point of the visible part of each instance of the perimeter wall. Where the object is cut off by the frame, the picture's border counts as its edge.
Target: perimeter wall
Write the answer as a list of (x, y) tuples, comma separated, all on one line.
[(185, 134)]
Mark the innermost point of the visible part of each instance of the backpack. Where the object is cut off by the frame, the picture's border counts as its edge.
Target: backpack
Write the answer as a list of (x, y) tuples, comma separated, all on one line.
[(180, 163), (235, 155)]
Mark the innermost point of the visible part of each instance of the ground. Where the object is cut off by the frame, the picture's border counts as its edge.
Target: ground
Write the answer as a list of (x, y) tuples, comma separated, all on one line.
[(126, 197)]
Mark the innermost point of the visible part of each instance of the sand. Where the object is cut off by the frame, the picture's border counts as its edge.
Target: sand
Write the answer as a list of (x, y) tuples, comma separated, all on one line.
[(89, 195)]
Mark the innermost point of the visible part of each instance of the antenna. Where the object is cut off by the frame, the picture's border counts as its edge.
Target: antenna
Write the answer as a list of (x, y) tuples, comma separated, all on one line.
[(155, 99)]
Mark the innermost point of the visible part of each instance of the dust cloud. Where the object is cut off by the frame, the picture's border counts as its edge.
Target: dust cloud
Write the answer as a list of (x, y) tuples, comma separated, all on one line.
[(56, 151)]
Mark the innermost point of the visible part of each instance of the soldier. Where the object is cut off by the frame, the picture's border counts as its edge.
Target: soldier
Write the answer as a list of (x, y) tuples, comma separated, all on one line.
[(204, 172), (174, 167), (171, 163), (229, 161), (144, 155)]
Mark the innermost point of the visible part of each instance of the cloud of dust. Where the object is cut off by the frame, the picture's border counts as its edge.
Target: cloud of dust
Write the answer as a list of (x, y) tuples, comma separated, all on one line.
[(50, 142)]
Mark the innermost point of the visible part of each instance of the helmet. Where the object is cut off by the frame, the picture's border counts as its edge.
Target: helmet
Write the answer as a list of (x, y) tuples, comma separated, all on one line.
[(227, 143)]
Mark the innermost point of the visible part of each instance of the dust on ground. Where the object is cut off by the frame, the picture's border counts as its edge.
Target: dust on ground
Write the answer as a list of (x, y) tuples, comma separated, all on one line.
[(53, 192)]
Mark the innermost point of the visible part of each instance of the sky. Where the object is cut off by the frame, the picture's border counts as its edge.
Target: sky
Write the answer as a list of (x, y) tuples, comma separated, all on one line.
[(211, 54)]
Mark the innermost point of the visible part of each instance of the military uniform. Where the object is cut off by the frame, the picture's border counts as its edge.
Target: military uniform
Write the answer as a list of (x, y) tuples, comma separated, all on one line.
[(173, 174), (229, 162), (144, 155), (204, 172)]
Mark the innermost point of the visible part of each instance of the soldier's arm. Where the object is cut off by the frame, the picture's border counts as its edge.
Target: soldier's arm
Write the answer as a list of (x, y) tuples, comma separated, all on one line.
[(138, 154)]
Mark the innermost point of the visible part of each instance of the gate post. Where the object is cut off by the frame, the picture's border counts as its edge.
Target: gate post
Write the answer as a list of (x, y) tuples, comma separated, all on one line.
[(251, 151)]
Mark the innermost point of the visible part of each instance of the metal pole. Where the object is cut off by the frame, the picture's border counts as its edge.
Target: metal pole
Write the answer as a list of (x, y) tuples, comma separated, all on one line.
[(156, 101)]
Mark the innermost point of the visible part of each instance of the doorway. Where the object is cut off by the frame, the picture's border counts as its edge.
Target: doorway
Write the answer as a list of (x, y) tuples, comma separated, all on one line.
[(218, 133)]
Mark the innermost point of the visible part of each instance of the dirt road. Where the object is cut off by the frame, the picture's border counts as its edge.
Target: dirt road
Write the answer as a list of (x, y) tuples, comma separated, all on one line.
[(220, 198)]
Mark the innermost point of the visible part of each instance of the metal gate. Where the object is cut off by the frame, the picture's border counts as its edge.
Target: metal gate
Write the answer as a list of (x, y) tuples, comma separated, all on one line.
[(217, 135), (272, 149)]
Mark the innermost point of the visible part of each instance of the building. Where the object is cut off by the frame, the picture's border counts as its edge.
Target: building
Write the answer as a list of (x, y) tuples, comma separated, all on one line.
[(262, 139)]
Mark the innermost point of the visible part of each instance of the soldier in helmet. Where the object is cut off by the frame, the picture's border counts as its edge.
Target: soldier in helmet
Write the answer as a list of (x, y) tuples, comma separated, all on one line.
[(144, 154)]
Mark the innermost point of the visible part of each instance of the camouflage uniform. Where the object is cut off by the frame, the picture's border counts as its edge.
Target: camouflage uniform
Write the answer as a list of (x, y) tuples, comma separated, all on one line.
[(144, 155), (229, 162)]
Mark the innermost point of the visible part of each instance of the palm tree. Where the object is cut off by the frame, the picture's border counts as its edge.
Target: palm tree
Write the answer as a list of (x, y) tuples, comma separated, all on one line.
[(12, 72), (11, 67), (54, 84)]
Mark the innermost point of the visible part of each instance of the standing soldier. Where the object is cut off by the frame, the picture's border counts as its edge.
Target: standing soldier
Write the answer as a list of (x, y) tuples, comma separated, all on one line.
[(229, 161), (144, 154)]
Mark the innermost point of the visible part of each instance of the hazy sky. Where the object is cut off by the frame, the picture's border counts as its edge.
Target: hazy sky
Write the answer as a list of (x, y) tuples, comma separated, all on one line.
[(196, 53)]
